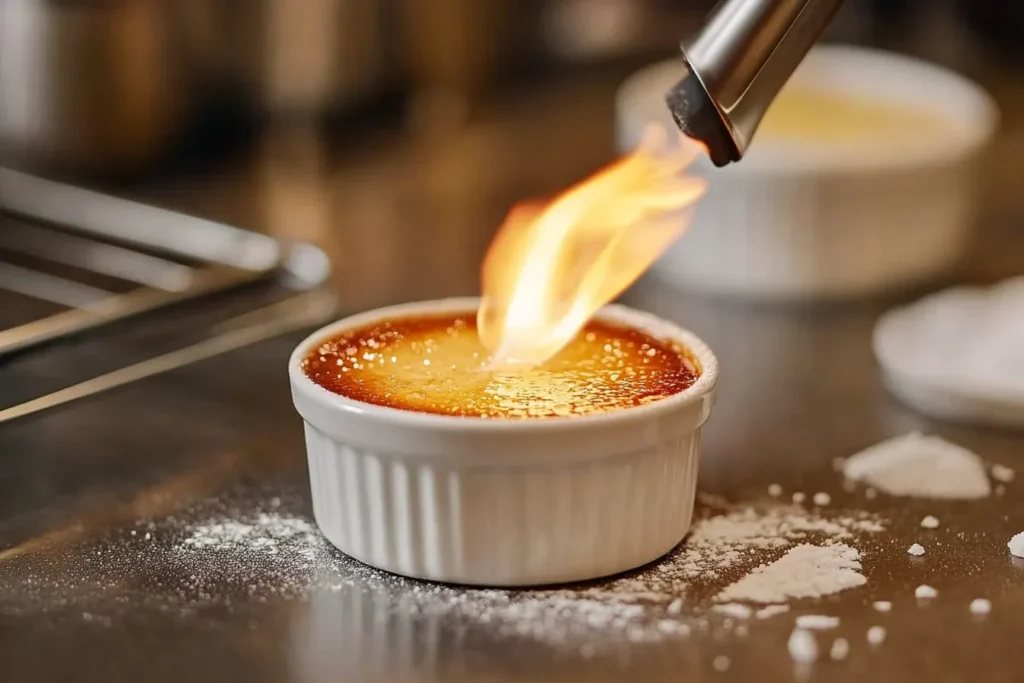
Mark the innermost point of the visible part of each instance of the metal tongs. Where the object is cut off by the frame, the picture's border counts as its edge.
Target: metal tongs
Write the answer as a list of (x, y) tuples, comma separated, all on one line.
[(140, 244)]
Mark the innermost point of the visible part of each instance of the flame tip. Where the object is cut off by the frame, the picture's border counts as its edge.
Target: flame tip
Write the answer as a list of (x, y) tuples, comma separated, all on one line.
[(552, 265)]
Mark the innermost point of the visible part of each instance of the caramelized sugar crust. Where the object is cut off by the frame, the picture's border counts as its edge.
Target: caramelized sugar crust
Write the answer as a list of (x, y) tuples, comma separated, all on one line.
[(437, 365)]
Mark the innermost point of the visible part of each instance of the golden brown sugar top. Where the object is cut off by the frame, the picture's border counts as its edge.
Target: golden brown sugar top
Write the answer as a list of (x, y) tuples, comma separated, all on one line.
[(437, 364)]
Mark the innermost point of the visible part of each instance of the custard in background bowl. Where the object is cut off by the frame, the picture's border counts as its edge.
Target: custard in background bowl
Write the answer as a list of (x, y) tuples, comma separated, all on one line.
[(860, 180)]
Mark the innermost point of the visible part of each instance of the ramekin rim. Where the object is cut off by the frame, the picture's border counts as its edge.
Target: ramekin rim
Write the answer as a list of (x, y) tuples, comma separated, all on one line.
[(704, 385)]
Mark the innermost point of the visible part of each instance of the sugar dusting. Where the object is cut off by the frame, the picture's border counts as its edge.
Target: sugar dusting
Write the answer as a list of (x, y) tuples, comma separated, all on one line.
[(219, 555), (263, 534)]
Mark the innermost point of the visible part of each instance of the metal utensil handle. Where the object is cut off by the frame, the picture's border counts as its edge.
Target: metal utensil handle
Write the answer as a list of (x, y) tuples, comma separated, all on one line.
[(747, 51), (296, 313)]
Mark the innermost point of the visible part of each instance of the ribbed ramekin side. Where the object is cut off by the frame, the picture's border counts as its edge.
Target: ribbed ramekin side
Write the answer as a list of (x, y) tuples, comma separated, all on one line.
[(513, 525)]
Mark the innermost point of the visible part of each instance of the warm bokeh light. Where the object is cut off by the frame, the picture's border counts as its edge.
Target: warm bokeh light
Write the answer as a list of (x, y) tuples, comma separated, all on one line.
[(553, 265)]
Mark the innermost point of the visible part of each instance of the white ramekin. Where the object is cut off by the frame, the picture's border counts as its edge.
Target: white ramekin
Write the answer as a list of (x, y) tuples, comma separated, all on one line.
[(503, 502), (794, 222)]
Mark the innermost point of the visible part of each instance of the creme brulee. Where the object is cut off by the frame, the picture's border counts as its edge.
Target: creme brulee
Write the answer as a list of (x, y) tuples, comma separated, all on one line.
[(437, 364)]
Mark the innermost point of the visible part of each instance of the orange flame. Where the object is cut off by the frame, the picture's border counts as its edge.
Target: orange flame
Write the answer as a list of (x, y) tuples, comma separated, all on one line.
[(552, 266)]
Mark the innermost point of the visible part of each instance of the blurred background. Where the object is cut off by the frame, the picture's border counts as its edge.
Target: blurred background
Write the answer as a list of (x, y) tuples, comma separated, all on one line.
[(396, 133)]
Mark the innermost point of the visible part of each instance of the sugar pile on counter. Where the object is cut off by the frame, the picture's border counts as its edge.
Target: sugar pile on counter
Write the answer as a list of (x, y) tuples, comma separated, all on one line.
[(720, 542), (920, 466), (1016, 545), (806, 571), (649, 605), (721, 546)]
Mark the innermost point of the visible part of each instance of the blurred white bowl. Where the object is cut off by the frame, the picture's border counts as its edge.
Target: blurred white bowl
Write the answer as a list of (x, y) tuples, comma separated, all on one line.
[(958, 354), (797, 219)]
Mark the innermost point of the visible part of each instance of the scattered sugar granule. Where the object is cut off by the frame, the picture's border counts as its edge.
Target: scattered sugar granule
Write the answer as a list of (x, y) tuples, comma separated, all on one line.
[(774, 490), (1016, 545), (1002, 473), (924, 592), (735, 610), (721, 663), (803, 648), (840, 648), (806, 571), (670, 627), (263, 533), (980, 607), (920, 466), (799, 497), (876, 635), (771, 611), (675, 607), (822, 499), (930, 522), (917, 550), (882, 606), (816, 622)]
